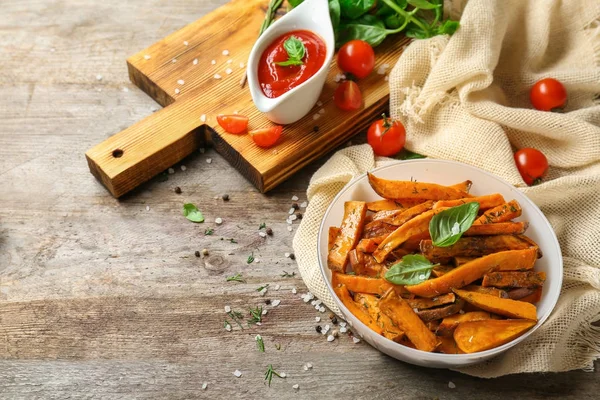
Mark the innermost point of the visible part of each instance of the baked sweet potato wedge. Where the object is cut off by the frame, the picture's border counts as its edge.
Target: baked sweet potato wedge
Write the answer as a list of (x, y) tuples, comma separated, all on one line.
[(367, 245), (485, 202), (344, 295), (440, 270), (534, 297), (349, 235), (405, 318), (409, 213), (475, 336), (458, 261), (334, 231), (415, 226), (462, 186), (500, 228), (449, 324), (383, 205), (441, 312), (507, 307), (370, 304), (473, 270), (362, 284), (487, 290), (414, 190), (502, 213), (514, 279), (475, 246), (448, 345), (422, 304)]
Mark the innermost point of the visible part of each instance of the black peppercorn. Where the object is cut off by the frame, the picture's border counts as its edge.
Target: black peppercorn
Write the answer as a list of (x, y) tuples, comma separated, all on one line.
[(197, 253), (268, 302), (299, 215), (318, 328), (292, 256), (295, 206), (178, 190), (269, 231), (334, 320), (316, 129), (225, 197)]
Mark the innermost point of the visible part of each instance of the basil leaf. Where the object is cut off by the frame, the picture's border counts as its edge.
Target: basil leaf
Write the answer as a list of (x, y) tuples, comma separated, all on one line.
[(191, 212), (448, 27), (406, 154), (368, 28), (295, 3), (294, 48), (448, 226), (334, 13), (353, 9), (422, 4), (393, 21), (289, 62), (411, 270)]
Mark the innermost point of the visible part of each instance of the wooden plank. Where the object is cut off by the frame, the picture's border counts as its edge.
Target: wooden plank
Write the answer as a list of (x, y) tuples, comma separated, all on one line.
[(150, 146)]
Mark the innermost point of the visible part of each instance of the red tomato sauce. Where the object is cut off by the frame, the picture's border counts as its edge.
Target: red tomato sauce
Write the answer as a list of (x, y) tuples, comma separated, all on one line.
[(276, 80)]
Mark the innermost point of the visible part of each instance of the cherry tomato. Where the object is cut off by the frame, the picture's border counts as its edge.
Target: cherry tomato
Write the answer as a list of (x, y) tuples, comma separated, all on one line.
[(532, 165), (266, 137), (386, 137), (356, 57), (234, 123), (548, 94), (347, 96)]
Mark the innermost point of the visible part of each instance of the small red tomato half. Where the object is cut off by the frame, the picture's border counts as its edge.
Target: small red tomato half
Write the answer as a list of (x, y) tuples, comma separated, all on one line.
[(532, 165), (386, 137), (234, 123), (356, 57), (266, 137), (548, 94), (347, 96)]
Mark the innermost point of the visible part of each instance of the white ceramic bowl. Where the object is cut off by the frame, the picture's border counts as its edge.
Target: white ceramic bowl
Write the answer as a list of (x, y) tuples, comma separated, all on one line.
[(311, 15), (448, 173)]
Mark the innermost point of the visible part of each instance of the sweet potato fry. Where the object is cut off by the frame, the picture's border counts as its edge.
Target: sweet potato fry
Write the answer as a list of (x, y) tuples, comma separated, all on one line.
[(487, 290), (441, 312), (333, 232), (364, 264), (378, 229), (413, 243), (413, 190), (383, 205), (512, 279), (475, 246), (422, 304), (441, 270), (485, 202), (409, 213), (449, 324), (349, 235), (534, 297), (500, 228), (502, 213), (433, 325), (342, 293), (463, 186), (386, 213), (363, 284), (366, 246), (415, 226), (405, 318), (458, 261), (475, 336), (507, 307), (468, 273), (370, 304), (448, 346)]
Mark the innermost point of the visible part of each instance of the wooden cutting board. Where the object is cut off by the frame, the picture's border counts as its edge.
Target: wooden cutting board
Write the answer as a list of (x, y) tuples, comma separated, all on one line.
[(179, 73)]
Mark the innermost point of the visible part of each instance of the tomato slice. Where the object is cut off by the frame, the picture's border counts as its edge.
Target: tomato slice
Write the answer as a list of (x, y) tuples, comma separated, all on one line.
[(347, 96), (266, 137), (234, 123)]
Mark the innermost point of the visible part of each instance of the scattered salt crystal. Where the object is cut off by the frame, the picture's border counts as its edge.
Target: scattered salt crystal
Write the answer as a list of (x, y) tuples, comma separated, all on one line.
[(153, 109), (229, 61), (237, 373), (174, 60), (296, 387), (213, 62), (294, 290), (304, 367), (322, 309), (309, 365), (290, 228), (228, 328), (177, 91), (183, 167), (204, 386), (304, 204), (99, 89), (318, 302), (125, 89), (264, 312), (330, 338), (326, 329), (451, 385), (313, 302), (287, 255), (262, 234), (147, 208), (343, 329), (228, 71), (283, 375), (225, 52), (147, 57), (217, 76), (241, 65), (277, 287), (263, 291), (355, 339), (203, 118), (218, 221), (195, 62), (293, 217), (227, 309), (208, 160), (291, 211), (98, 77), (318, 319), (306, 299), (181, 81), (258, 324), (316, 116), (185, 43), (322, 111), (319, 103), (171, 171), (256, 261), (295, 198), (275, 303)]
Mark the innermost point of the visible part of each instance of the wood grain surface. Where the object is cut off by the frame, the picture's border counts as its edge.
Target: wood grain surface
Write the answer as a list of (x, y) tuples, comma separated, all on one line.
[(105, 299), (178, 72)]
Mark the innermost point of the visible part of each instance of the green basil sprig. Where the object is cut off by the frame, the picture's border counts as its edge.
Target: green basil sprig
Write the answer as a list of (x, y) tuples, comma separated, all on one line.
[(412, 269), (448, 226), (191, 212), (295, 50)]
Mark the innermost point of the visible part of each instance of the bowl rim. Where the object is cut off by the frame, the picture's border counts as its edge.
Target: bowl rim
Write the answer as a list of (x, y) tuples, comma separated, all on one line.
[(460, 359)]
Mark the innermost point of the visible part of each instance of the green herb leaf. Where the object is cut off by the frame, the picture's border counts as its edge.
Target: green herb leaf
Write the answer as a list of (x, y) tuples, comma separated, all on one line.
[(288, 275), (448, 27), (236, 278), (260, 343), (334, 13), (250, 259), (368, 28), (412, 269), (255, 315), (191, 212), (422, 4), (448, 226), (295, 50), (295, 3), (232, 240), (269, 374), (262, 287), (209, 231), (262, 226), (353, 9), (406, 154)]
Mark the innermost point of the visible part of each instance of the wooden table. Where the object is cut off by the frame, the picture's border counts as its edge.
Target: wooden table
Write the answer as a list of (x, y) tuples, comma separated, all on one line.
[(102, 298)]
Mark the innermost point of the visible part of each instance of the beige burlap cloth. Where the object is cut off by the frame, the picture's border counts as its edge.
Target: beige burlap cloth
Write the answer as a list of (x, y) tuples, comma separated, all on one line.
[(465, 98)]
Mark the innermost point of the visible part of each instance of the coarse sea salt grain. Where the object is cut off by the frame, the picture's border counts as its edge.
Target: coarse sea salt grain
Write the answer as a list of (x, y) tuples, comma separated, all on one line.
[(98, 77), (125, 89), (177, 91), (343, 329), (330, 338), (228, 71), (262, 234), (242, 65), (227, 309), (264, 312), (185, 43), (277, 287), (291, 210), (204, 386), (275, 303), (147, 57), (174, 60), (293, 217), (218, 221), (451, 385), (290, 228), (326, 329), (304, 204), (171, 171), (147, 208), (287, 255), (318, 319), (183, 167), (322, 309), (237, 373), (195, 62), (225, 52), (203, 118), (355, 339), (313, 302), (296, 387), (217, 76), (213, 62), (295, 198), (256, 261), (208, 160), (294, 290), (228, 328), (181, 81), (309, 365)]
